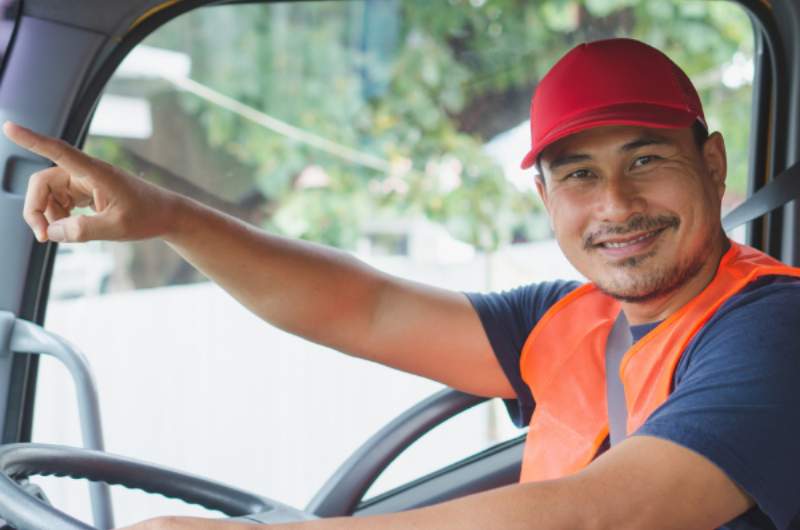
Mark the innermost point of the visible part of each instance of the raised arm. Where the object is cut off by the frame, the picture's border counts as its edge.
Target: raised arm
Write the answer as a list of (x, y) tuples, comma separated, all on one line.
[(317, 292)]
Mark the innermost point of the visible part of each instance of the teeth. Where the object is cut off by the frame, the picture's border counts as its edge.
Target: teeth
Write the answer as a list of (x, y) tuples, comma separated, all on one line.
[(622, 244)]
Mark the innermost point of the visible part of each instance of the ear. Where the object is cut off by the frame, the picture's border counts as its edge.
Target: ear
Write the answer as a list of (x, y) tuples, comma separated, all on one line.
[(541, 188), (716, 160)]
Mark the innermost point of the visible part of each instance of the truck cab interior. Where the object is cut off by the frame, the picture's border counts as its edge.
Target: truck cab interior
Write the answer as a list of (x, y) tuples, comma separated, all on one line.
[(392, 129)]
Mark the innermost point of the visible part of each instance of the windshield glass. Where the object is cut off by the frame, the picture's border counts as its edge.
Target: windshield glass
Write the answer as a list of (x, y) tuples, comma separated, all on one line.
[(391, 129)]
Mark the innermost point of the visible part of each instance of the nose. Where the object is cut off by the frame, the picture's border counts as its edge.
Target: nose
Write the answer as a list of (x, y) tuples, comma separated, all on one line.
[(618, 199)]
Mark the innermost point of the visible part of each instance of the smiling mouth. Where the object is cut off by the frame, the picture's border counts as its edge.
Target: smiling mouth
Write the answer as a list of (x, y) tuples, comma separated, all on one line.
[(629, 242), (629, 238)]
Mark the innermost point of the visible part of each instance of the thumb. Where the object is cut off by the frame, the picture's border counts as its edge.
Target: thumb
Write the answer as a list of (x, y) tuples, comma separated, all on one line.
[(77, 229)]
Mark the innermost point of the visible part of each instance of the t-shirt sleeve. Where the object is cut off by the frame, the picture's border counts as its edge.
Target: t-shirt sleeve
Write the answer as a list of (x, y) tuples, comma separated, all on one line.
[(508, 318), (736, 398)]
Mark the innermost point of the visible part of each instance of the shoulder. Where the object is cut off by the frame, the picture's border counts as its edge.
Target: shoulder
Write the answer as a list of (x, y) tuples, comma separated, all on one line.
[(753, 330), (514, 313), (764, 315), (531, 300), (765, 292), (735, 397)]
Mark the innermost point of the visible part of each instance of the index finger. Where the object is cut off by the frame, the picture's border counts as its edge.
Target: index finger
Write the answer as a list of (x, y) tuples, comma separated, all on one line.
[(58, 151)]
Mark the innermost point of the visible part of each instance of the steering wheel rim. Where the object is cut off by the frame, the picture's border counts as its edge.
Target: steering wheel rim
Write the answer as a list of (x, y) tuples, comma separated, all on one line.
[(25, 512)]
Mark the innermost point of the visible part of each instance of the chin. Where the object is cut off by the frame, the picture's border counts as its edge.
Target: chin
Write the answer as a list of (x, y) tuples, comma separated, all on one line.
[(658, 282)]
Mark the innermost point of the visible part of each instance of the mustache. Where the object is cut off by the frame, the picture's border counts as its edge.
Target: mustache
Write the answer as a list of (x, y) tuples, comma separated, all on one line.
[(638, 223)]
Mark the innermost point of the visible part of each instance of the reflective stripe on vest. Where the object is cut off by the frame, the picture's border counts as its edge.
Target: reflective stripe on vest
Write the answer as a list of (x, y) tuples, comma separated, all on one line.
[(563, 363), (619, 341)]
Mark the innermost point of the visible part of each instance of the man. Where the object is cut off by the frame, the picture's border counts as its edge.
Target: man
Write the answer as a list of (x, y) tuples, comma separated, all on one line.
[(632, 183)]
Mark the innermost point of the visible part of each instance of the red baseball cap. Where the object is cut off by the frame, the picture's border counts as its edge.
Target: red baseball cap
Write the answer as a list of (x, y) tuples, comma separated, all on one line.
[(610, 82)]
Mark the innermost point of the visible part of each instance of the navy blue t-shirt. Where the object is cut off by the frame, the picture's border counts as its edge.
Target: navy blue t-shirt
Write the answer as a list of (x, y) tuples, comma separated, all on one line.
[(736, 389)]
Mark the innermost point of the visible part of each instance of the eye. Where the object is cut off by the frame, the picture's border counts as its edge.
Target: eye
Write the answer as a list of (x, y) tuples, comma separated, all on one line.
[(644, 160), (581, 174)]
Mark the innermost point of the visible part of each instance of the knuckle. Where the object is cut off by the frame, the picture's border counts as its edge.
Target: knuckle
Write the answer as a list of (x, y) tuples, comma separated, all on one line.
[(81, 231), (125, 219), (40, 182), (37, 178), (30, 217), (59, 150), (101, 165), (31, 212), (61, 145)]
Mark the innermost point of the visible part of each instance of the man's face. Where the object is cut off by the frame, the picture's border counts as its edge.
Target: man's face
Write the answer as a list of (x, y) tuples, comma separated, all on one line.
[(636, 210)]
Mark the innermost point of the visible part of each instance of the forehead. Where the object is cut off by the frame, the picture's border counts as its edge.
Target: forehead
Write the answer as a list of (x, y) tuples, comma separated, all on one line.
[(616, 138)]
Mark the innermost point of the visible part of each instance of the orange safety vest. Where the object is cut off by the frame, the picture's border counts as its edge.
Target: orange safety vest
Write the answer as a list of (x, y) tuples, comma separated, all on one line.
[(563, 363)]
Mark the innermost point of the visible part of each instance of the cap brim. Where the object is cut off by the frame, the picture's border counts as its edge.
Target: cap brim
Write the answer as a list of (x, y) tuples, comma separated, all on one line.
[(640, 115)]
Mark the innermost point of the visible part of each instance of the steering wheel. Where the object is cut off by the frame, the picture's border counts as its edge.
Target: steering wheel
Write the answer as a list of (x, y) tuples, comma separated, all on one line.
[(25, 512)]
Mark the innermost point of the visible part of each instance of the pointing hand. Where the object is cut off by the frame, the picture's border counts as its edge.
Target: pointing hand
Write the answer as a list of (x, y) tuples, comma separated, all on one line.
[(126, 207)]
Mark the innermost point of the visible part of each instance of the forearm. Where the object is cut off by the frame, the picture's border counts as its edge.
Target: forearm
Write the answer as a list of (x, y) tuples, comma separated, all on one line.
[(643, 482), (317, 292), (552, 505)]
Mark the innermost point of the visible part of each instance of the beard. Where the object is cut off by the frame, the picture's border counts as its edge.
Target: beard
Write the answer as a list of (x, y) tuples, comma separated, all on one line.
[(644, 286), (636, 282)]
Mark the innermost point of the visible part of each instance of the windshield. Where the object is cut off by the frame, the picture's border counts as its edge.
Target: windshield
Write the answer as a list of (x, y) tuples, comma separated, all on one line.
[(391, 129)]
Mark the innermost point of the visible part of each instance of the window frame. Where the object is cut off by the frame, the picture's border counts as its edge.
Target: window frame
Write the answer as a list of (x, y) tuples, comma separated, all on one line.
[(771, 91)]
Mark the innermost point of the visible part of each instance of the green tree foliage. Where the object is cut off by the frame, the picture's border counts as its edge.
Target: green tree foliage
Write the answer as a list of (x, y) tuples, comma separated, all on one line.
[(420, 86)]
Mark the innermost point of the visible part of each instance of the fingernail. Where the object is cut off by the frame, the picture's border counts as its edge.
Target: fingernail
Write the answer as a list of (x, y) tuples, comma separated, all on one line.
[(56, 232)]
